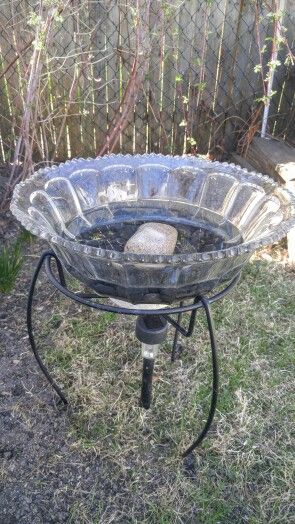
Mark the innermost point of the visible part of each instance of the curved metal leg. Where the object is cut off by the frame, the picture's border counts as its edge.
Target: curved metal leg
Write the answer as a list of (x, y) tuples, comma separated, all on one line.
[(176, 348), (29, 318), (215, 380)]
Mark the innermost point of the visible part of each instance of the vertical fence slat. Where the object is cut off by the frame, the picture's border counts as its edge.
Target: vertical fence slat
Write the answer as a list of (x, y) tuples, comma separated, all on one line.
[(127, 43), (62, 39), (141, 121), (86, 81), (233, 17), (6, 130), (171, 17), (246, 58), (74, 86), (288, 111), (213, 71), (282, 119), (11, 109), (282, 112), (141, 109), (46, 116), (186, 33), (200, 128), (190, 79), (13, 14), (113, 68), (154, 75), (289, 98), (99, 13)]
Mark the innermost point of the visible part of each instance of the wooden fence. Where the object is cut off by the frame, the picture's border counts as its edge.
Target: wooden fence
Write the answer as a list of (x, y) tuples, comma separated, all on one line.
[(199, 86)]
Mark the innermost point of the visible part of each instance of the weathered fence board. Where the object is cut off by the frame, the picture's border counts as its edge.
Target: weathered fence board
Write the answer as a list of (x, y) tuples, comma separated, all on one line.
[(99, 13), (282, 120), (186, 31), (114, 79), (168, 79), (227, 92), (201, 89), (9, 81), (127, 41)]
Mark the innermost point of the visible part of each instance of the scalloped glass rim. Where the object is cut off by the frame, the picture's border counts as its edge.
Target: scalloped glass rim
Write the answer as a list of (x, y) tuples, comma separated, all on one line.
[(279, 231)]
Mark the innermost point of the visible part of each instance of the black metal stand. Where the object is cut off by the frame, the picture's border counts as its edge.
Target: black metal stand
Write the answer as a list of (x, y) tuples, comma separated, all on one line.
[(149, 331)]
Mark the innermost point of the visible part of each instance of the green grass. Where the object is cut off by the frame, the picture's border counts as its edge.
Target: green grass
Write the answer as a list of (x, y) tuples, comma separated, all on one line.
[(11, 261), (243, 472)]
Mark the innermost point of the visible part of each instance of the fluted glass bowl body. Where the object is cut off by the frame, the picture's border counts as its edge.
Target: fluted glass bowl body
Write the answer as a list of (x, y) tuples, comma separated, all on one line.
[(88, 208)]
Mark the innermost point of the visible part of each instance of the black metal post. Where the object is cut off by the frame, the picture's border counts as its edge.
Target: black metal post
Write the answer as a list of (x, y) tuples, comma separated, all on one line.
[(150, 331), (147, 381)]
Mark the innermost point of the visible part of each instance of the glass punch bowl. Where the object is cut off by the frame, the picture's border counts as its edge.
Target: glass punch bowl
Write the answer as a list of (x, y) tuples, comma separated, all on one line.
[(87, 209)]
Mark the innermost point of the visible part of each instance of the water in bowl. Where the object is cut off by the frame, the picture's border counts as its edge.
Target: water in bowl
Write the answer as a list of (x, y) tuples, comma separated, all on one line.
[(194, 234)]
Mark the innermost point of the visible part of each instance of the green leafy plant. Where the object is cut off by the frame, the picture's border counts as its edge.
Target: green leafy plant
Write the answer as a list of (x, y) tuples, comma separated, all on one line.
[(25, 237), (191, 141), (11, 260)]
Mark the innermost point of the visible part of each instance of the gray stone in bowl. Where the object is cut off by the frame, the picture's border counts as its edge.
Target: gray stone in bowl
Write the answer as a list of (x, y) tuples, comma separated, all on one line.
[(152, 238)]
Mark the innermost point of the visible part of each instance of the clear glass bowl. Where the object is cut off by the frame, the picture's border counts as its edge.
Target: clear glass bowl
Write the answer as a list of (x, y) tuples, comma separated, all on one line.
[(88, 208)]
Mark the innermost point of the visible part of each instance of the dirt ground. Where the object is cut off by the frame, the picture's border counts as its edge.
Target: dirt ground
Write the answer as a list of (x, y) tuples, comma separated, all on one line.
[(40, 472)]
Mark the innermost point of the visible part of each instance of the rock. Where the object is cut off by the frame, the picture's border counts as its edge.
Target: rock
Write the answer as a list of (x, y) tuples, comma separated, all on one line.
[(152, 238)]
